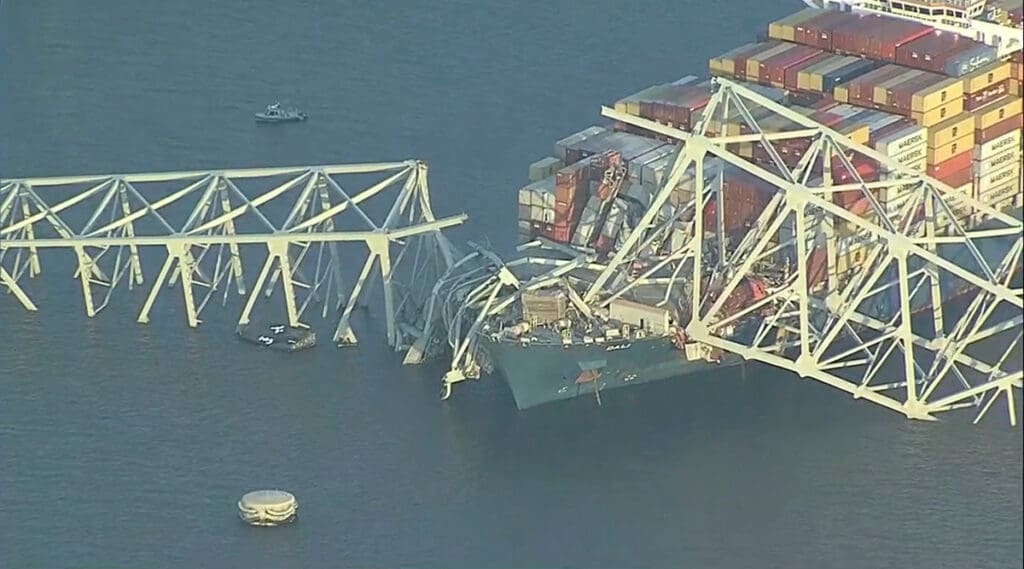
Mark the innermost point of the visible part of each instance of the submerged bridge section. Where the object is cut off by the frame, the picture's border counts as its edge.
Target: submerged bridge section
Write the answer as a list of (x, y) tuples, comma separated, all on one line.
[(864, 271), (209, 225)]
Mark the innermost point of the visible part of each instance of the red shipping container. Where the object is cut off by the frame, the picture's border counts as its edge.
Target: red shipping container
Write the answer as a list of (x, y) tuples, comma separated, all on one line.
[(954, 164), (773, 70), (999, 129), (789, 80), (980, 98), (817, 32), (900, 98), (957, 178), (877, 37)]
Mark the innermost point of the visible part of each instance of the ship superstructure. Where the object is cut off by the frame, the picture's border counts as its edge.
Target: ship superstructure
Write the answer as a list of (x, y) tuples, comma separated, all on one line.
[(996, 23)]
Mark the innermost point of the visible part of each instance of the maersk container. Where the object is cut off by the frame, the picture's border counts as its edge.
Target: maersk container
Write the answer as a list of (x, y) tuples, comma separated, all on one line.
[(1000, 128), (998, 145), (997, 196), (1009, 174), (997, 162)]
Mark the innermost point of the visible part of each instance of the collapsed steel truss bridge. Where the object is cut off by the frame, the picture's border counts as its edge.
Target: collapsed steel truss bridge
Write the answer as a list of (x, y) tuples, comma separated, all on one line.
[(883, 331), (293, 218)]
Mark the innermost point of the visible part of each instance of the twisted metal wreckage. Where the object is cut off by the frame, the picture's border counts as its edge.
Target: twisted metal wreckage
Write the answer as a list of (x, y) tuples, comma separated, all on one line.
[(918, 365), (940, 359)]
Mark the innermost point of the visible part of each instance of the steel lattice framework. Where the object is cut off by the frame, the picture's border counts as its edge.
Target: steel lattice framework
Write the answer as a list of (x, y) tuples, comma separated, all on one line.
[(203, 220), (883, 330)]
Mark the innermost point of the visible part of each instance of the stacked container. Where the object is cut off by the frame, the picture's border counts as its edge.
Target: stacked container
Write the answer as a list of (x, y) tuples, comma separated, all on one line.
[(953, 55), (997, 154), (536, 208)]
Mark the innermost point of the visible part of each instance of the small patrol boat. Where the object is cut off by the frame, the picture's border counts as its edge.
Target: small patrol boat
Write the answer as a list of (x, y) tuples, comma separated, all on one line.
[(280, 337), (275, 113)]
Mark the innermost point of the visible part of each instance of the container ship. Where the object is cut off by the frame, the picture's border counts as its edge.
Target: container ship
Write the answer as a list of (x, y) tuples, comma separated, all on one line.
[(934, 102)]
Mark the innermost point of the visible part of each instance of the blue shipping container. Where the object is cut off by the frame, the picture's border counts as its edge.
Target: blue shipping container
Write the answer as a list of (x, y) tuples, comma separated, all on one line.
[(847, 73)]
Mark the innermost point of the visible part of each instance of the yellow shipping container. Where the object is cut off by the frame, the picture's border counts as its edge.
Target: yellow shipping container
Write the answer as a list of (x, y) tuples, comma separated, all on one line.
[(946, 151), (753, 68), (950, 129), (996, 111), (938, 95), (938, 114), (987, 76), (1016, 88), (857, 132), (841, 94)]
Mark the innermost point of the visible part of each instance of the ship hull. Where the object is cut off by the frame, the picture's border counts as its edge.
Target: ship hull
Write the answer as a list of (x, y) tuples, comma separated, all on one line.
[(538, 374)]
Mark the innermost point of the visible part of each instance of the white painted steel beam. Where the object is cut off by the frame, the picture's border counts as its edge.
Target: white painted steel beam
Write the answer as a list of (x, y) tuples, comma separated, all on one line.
[(126, 218)]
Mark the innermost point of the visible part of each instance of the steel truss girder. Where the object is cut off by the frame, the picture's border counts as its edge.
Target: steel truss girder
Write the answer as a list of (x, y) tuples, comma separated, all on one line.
[(899, 243), (118, 217)]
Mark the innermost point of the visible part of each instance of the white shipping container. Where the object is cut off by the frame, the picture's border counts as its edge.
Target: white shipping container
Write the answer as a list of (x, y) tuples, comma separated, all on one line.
[(526, 196), (997, 162), (525, 226), (1000, 193), (583, 234), (575, 139), (639, 165), (996, 146), (912, 154), (984, 184), (899, 142), (548, 215), (525, 212), (544, 168)]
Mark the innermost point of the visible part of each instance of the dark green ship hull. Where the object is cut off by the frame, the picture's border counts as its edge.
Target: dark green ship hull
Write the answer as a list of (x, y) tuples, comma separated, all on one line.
[(538, 374)]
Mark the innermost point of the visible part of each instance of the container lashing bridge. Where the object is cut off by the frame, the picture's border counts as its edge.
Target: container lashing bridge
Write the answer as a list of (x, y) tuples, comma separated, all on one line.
[(883, 330), (203, 222)]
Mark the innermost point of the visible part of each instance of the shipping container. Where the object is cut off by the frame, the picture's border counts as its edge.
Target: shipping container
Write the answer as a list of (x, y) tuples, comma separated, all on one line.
[(998, 196), (985, 96), (877, 37), (884, 92), (733, 63), (997, 162), (807, 76), (998, 145), (999, 129), (926, 92), (1016, 87), (755, 62), (955, 150), (1001, 109), (637, 165), (953, 128), (774, 69), (913, 158), (817, 31), (986, 76), (938, 114), (785, 29), (953, 55), (899, 138), (861, 88), (956, 178), (544, 168), (573, 139), (853, 70), (984, 185)]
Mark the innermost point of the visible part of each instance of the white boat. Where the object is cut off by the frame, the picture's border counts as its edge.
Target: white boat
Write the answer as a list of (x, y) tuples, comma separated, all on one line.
[(962, 17), (276, 113)]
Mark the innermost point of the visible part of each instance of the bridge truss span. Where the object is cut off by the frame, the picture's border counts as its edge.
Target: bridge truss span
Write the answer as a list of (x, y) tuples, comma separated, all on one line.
[(210, 225), (886, 283)]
